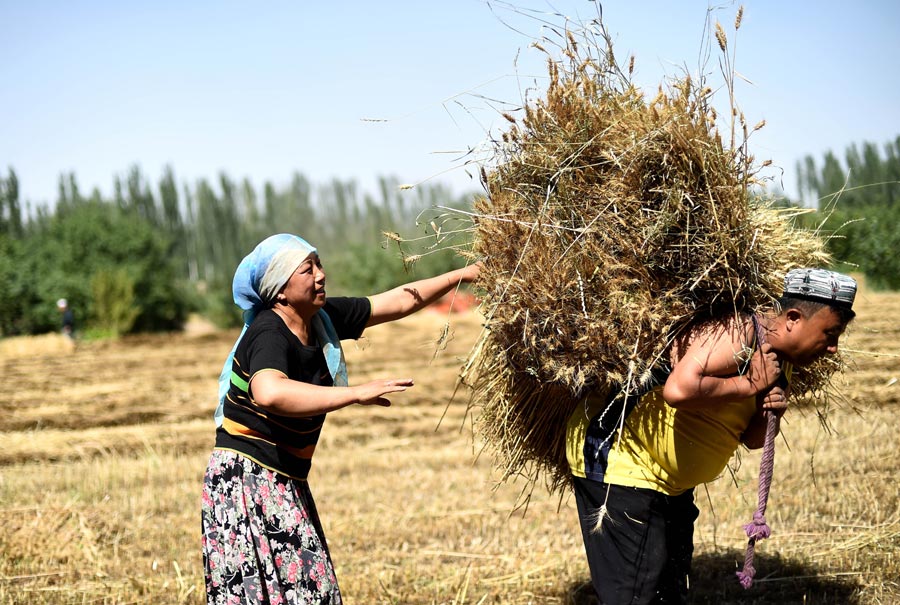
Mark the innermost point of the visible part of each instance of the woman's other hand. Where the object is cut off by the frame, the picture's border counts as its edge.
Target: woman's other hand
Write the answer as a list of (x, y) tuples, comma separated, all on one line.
[(372, 393)]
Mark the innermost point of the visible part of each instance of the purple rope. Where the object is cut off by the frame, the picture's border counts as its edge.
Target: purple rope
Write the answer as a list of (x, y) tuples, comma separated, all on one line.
[(758, 529)]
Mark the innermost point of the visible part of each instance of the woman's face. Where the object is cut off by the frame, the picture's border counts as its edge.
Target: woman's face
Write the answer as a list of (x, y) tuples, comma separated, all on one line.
[(305, 290)]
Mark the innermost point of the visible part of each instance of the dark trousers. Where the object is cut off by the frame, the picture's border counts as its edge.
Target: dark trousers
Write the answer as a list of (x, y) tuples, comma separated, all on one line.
[(642, 551)]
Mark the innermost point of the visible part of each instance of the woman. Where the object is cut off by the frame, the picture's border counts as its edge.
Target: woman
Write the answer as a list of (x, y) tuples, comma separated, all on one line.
[(262, 540)]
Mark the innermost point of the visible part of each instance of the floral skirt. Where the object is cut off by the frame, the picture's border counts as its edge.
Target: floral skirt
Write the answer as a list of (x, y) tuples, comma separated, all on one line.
[(262, 539)]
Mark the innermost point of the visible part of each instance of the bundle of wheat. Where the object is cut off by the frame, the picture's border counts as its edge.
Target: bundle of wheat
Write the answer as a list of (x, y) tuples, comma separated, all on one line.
[(612, 223)]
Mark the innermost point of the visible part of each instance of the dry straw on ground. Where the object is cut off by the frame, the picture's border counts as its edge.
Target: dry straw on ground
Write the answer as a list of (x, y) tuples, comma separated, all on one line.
[(105, 447), (612, 221)]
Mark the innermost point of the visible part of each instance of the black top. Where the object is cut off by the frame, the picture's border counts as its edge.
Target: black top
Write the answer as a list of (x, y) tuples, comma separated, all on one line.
[(281, 443)]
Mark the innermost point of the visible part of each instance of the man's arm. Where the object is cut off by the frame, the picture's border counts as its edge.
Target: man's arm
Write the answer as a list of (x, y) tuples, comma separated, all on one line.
[(773, 400), (708, 373)]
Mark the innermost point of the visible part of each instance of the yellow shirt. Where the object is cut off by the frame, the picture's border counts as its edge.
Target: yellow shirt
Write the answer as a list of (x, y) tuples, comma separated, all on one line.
[(662, 448), (672, 450)]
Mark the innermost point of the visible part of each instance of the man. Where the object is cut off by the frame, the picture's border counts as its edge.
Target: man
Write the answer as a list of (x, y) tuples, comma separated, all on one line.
[(68, 318), (636, 457)]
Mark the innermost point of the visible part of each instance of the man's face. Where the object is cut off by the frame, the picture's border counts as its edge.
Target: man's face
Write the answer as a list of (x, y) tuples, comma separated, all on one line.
[(814, 336)]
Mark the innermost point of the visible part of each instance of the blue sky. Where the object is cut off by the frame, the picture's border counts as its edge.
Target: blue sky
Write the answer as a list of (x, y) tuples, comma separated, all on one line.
[(263, 89)]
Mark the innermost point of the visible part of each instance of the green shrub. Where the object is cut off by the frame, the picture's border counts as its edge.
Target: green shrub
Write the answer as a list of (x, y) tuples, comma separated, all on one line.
[(114, 308)]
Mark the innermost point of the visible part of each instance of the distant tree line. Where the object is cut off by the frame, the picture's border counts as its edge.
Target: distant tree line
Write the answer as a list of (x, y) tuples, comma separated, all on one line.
[(859, 201), (145, 258)]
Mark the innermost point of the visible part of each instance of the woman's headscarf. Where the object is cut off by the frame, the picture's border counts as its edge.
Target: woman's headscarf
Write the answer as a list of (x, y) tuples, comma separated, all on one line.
[(257, 280)]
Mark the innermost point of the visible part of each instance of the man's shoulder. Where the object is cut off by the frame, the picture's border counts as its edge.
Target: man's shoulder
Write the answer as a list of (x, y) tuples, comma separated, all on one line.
[(736, 329)]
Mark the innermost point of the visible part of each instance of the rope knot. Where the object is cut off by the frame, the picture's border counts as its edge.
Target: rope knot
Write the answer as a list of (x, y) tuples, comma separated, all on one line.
[(758, 529), (746, 576)]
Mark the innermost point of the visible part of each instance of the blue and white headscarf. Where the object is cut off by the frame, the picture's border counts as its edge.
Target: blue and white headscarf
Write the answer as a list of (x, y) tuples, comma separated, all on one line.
[(258, 279)]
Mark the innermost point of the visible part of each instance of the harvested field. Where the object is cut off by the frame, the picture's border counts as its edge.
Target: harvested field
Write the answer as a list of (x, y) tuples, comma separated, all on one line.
[(105, 447)]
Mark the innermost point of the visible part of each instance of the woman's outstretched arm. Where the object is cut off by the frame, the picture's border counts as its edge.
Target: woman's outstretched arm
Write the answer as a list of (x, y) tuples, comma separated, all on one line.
[(407, 299)]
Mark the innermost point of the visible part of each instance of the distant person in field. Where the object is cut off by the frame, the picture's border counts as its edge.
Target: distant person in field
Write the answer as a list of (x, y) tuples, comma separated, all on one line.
[(262, 539), (68, 318), (634, 488)]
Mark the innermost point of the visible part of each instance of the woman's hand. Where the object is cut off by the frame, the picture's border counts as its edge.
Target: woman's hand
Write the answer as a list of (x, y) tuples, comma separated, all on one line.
[(372, 393), (470, 272), (276, 392)]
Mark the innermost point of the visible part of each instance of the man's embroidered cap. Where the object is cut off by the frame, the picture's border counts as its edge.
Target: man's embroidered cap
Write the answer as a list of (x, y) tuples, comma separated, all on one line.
[(820, 285)]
